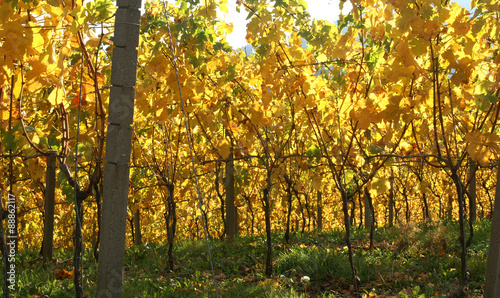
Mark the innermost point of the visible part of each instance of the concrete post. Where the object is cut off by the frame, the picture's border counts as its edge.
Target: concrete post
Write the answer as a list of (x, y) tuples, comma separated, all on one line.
[(492, 284), (118, 149)]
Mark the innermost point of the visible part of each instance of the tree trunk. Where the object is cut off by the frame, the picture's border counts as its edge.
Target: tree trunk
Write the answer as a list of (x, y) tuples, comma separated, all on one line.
[(348, 242), (301, 211), (368, 210), (289, 211), (391, 211), (427, 216), (78, 242), (252, 215), (171, 219), (391, 200), (353, 209), (131, 223), (267, 214), (48, 224), (472, 192), (472, 200), (222, 234), (231, 211), (450, 208), (137, 227), (308, 210), (118, 149), (320, 211), (361, 216), (463, 255), (205, 215)]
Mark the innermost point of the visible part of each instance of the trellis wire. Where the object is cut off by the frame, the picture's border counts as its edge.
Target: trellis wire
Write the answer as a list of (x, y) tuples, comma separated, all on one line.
[(191, 151), (77, 210)]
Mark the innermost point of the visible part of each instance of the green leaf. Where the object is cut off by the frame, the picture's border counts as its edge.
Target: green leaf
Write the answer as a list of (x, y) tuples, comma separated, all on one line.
[(61, 178), (52, 141), (380, 185), (374, 149), (373, 57), (348, 176), (10, 139), (225, 47), (44, 141), (284, 3), (484, 101), (416, 290), (183, 9), (14, 3), (230, 72), (195, 61), (30, 129), (345, 21), (314, 151), (68, 192), (250, 14), (104, 10)]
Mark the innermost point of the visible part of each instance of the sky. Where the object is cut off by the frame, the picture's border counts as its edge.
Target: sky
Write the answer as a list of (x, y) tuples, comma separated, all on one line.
[(319, 9)]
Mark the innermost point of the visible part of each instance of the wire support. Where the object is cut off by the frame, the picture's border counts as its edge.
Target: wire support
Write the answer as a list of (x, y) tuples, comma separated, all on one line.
[(77, 210), (191, 152)]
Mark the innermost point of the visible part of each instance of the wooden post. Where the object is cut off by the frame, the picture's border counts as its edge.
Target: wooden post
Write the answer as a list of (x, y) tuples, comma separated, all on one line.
[(118, 149), (48, 223)]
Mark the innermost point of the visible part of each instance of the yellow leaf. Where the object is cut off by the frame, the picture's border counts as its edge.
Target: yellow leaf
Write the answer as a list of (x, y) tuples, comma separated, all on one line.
[(406, 148), (321, 58), (49, 56), (224, 148), (379, 185), (34, 86), (482, 145), (18, 84), (94, 40), (225, 28), (366, 117), (56, 96), (35, 138), (316, 182), (419, 46), (461, 28), (269, 283), (38, 41), (223, 7), (4, 115)]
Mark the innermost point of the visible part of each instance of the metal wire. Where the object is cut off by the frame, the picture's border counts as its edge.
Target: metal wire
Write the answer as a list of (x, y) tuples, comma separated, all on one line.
[(191, 152), (77, 210)]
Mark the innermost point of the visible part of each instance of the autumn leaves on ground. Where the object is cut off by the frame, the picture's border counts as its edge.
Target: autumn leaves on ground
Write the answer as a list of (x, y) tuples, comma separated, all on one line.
[(360, 154)]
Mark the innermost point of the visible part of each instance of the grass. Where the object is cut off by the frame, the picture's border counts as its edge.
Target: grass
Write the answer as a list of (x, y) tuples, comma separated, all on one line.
[(407, 261)]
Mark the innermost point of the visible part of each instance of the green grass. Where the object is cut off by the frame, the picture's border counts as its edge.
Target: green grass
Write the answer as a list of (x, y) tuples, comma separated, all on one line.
[(407, 261)]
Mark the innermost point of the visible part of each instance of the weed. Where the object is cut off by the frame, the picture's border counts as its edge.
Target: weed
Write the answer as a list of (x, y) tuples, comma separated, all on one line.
[(409, 261)]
